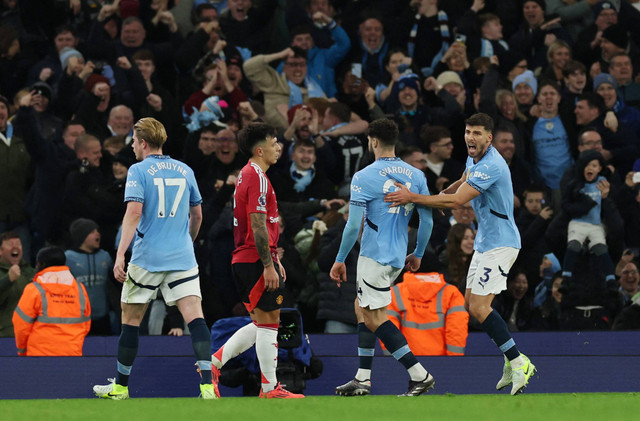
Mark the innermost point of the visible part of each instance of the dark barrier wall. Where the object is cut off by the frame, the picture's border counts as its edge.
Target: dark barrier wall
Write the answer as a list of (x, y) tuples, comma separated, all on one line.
[(567, 362)]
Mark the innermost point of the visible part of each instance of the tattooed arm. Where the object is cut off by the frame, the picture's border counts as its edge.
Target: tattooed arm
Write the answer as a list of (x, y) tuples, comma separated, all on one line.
[(261, 238)]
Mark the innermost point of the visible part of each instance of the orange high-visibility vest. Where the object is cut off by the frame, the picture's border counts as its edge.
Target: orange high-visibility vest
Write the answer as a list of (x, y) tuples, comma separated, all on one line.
[(53, 315), (430, 314)]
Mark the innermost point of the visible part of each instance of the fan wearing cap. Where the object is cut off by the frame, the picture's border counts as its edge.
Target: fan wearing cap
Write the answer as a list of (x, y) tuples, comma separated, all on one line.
[(91, 266), (284, 91), (536, 33), (605, 85)]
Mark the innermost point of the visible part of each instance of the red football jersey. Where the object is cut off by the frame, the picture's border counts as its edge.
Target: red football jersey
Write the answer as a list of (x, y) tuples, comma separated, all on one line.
[(253, 194)]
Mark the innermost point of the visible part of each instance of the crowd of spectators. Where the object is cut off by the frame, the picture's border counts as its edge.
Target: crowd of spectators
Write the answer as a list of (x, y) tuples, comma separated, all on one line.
[(561, 79)]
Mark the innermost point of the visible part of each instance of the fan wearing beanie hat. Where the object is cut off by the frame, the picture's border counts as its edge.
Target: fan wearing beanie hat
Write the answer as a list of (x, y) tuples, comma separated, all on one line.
[(605, 85), (606, 6), (42, 89), (408, 93), (448, 77), (99, 86), (300, 128), (525, 87), (541, 3), (80, 230), (451, 82), (615, 39), (91, 266), (66, 53)]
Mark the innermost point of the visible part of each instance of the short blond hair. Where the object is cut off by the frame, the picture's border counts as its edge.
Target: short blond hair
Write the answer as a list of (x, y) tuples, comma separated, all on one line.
[(151, 131)]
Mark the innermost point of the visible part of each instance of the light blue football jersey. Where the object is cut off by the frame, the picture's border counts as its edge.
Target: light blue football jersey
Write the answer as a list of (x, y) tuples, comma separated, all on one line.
[(594, 193), (385, 236), (167, 188), (494, 207)]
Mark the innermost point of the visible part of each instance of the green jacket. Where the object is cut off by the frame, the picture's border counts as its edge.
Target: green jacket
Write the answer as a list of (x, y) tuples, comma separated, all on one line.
[(10, 293), (15, 173)]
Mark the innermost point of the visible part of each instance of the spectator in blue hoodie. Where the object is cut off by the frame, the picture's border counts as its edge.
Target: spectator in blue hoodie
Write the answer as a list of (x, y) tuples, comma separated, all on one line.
[(92, 267), (322, 62)]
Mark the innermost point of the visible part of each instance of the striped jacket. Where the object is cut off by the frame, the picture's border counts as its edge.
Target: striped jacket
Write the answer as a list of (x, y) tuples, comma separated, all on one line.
[(430, 314), (53, 315)]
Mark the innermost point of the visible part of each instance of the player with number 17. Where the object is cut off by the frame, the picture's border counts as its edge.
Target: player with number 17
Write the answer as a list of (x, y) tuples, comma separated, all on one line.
[(162, 219)]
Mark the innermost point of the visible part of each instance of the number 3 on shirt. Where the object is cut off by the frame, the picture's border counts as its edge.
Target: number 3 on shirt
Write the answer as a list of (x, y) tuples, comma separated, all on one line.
[(160, 183), (387, 187)]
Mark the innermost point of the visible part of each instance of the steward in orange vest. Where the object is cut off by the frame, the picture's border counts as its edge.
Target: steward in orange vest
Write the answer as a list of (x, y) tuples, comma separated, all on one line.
[(53, 315), (430, 313)]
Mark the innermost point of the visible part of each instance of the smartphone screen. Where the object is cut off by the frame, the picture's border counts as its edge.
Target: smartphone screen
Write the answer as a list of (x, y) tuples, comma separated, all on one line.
[(356, 70)]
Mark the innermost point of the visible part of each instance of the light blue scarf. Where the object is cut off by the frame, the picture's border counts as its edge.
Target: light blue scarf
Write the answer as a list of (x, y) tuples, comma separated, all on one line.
[(301, 180), (487, 47), (295, 94)]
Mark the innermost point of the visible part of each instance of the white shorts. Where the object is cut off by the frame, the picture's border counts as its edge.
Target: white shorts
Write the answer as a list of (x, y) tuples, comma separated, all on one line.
[(488, 271), (580, 231), (141, 286), (373, 283)]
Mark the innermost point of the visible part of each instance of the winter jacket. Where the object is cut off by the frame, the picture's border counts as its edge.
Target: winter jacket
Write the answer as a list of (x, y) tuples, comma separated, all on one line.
[(53, 315), (430, 314)]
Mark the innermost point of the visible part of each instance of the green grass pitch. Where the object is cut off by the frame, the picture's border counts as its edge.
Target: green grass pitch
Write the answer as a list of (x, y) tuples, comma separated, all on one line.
[(547, 407)]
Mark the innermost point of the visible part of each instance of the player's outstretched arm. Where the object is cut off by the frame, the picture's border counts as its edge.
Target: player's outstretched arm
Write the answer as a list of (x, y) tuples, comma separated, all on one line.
[(454, 186), (442, 201), (349, 236), (129, 225), (261, 238)]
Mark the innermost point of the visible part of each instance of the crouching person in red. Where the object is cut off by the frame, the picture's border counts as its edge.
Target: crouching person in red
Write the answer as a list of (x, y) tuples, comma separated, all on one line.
[(53, 315)]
